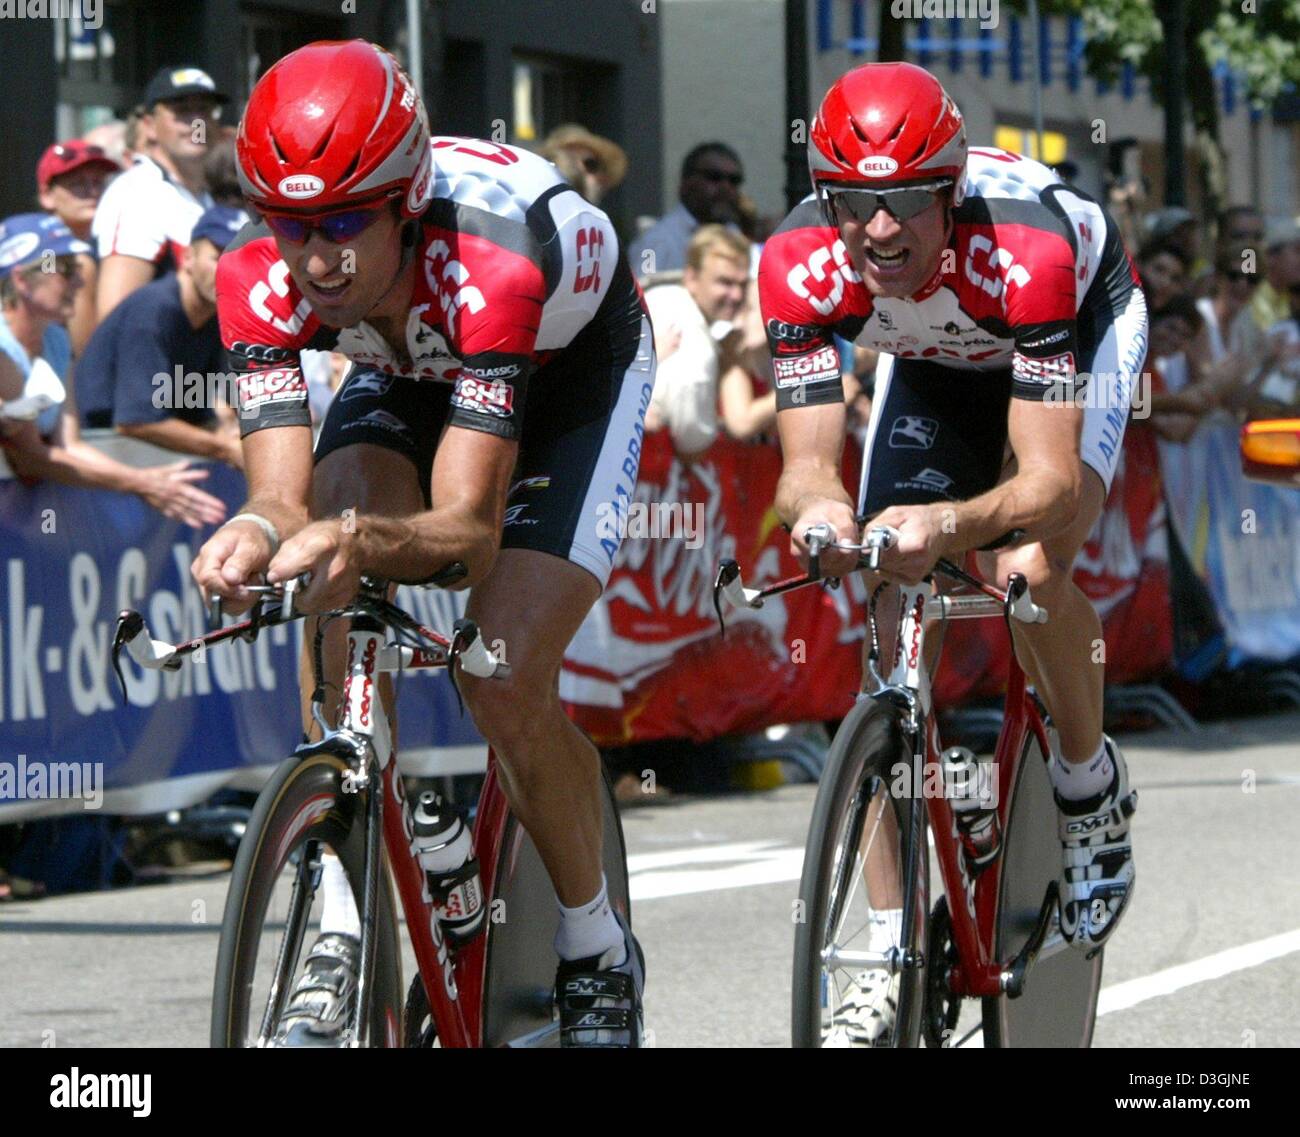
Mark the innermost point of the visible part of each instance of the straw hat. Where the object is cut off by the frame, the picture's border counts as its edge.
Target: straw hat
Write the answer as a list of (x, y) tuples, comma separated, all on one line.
[(572, 134)]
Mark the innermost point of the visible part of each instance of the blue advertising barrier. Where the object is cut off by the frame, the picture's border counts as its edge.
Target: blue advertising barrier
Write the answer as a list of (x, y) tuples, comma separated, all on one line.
[(71, 560)]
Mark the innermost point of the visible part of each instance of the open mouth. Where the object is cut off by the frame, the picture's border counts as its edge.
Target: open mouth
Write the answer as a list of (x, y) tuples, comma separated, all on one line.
[(329, 292), (888, 259)]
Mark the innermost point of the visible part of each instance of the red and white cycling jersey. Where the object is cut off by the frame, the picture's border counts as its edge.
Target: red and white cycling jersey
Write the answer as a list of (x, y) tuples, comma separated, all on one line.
[(512, 264), (1033, 275)]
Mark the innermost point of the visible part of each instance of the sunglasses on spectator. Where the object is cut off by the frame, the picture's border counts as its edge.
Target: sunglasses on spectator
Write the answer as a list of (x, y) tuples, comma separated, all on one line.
[(593, 165), (65, 267), (900, 204), (1251, 278), (337, 227), (717, 177)]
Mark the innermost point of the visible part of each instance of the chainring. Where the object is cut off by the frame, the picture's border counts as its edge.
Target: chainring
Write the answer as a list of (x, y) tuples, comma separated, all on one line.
[(942, 1008)]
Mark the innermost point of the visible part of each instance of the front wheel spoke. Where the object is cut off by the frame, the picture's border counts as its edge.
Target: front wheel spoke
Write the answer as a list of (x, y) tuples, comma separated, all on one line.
[(301, 896), (861, 853)]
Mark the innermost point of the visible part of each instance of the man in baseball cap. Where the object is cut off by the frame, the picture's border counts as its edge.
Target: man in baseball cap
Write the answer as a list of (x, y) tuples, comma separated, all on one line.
[(144, 220), (173, 83), (38, 282), (70, 177), (39, 279), (152, 368)]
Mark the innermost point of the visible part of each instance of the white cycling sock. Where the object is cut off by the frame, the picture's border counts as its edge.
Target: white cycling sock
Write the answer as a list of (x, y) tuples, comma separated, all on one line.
[(1075, 781), (590, 929), (339, 913)]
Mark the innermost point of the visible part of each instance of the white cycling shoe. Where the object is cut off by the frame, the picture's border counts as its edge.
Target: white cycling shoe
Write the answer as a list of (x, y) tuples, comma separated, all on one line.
[(866, 1017), (321, 1003), (1097, 871)]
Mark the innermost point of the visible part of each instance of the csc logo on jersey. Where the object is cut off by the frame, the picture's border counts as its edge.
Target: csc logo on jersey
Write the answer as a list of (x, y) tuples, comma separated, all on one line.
[(449, 280), (993, 260), (590, 245), (277, 284), (816, 270)]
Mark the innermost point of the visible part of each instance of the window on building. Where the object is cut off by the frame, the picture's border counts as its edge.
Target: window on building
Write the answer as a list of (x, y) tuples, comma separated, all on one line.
[(546, 93), (1024, 140)]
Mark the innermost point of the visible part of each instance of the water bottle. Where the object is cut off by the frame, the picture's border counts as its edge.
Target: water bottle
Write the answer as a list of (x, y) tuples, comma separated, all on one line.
[(972, 796), (443, 844)]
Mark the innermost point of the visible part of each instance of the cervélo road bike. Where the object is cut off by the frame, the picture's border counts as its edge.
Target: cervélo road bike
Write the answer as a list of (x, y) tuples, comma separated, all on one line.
[(344, 795), (885, 795)]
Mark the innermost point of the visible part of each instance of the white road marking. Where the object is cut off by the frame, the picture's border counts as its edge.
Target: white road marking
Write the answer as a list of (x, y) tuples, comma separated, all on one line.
[(674, 873), (1121, 996), (678, 873)]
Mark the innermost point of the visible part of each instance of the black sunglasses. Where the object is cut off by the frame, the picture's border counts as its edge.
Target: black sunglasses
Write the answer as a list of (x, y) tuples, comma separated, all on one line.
[(718, 176), (1250, 278), (900, 204)]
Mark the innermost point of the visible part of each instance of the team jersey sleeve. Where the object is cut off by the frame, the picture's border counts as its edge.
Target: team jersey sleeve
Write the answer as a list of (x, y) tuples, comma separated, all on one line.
[(1037, 269), (264, 323), (800, 287), (493, 300)]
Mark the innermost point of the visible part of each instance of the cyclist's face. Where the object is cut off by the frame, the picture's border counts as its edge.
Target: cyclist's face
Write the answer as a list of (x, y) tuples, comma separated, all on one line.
[(896, 258), (345, 281)]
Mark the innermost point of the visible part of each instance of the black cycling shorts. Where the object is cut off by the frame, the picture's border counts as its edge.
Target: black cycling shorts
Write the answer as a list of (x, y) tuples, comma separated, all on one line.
[(579, 451)]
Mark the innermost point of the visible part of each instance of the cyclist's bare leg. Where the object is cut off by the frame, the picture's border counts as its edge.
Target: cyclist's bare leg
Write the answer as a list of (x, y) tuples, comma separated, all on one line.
[(1063, 657), (534, 603), (369, 479)]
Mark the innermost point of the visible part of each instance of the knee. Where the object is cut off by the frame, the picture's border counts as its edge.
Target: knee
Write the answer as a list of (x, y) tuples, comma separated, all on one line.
[(1047, 575), (511, 713)]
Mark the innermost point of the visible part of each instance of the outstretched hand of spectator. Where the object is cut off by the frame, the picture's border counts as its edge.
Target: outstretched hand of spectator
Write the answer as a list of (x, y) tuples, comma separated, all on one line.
[(171, 491), (667, 342)]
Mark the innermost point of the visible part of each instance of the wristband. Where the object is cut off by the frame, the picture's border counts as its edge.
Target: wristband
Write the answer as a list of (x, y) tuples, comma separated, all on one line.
[(272, 533)]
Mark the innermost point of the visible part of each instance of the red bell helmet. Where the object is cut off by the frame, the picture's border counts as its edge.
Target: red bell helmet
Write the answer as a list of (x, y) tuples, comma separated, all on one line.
[(883, 124), (334, 124)]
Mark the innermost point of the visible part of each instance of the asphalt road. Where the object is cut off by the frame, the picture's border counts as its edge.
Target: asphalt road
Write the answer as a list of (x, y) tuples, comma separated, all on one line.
[(1209, 955)]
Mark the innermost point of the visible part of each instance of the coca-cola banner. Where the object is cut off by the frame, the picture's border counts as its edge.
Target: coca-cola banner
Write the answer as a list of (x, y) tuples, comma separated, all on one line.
[(649, 662), (1123, 569)]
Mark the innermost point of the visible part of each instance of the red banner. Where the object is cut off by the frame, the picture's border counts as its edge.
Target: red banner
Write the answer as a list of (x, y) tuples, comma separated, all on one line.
[(649, 662), (1123, 569)]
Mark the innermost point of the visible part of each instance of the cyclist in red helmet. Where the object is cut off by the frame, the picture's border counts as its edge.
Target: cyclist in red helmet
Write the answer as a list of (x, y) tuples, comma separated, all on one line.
[(1011, 330), (502, 366)]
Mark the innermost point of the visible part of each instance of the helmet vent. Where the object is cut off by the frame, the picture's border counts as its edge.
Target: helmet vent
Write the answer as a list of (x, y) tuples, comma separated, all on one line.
[(322, 146), (352, 169), (279, 154)]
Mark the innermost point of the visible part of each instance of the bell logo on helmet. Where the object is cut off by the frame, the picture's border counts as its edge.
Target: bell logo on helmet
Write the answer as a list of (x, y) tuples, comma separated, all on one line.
[(301, 186), (879, 167)]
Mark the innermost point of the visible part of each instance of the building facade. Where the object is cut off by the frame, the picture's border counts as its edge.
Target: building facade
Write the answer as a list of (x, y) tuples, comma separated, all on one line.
[(507, 69), (723, 76)]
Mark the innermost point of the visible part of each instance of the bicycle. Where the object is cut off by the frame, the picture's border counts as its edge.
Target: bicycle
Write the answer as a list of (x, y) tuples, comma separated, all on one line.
[(881, 791), (344, 793)]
